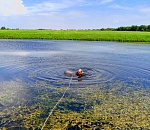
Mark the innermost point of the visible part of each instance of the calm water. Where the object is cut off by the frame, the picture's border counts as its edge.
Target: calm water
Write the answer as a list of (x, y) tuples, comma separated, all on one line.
[(23, 63), (29, 60)]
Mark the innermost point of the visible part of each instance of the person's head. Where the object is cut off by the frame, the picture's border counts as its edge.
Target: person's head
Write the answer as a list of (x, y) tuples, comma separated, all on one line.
[(80, 72)]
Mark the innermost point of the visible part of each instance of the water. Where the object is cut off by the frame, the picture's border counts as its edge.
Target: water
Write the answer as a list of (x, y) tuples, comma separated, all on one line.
[(29, 67), (102, 61)]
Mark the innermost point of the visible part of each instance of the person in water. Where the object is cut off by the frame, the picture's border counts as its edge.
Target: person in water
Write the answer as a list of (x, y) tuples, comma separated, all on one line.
[(79, 73)]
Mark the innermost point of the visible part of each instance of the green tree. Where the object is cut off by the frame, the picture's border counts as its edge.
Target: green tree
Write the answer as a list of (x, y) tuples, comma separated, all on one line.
[(148, 28), (142, 28), (3, 28), (134, 28)]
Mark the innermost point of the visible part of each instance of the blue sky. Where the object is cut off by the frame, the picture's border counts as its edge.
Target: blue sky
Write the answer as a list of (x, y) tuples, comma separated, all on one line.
[(73, 14)]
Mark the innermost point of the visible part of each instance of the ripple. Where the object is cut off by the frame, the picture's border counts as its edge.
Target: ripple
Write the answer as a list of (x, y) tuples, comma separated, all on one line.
[(92, 76), (54, 73), (97, 74), (50, 63)]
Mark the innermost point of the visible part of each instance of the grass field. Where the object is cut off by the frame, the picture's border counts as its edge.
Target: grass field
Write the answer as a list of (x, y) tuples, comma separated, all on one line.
[(87, 35)]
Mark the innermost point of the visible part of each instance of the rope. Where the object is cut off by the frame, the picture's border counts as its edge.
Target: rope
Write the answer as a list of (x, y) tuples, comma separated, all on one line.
[(57, 104)]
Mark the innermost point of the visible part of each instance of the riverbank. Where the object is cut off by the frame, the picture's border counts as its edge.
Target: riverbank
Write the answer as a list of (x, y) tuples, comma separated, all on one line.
[(87, 35)]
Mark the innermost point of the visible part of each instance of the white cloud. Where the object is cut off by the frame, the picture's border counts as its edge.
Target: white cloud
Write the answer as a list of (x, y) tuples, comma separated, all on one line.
[(145, 9), (45, 7), (60, 5), (50, 7), (69, 14), (11, 7), (116, 6), (106, 1), (76, 14)]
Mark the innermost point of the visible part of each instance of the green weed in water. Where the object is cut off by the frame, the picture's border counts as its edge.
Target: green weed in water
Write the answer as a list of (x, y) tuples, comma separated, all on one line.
[(113, 105)]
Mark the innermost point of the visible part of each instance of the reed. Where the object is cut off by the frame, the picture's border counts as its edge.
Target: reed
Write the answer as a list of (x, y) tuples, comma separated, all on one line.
[(87, 35)]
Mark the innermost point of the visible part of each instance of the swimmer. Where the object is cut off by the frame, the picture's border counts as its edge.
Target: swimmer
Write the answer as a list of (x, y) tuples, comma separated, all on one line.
[(79, 73)]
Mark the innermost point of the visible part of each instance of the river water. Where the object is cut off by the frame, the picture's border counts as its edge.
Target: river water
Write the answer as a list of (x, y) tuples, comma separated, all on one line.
[(27, 65)]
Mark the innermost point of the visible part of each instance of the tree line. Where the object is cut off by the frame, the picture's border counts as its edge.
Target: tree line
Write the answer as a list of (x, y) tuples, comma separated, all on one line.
[(145, 28), (4, 28)]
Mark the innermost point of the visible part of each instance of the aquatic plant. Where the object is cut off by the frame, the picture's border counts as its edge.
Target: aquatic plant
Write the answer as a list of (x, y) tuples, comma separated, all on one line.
[(112, 105)]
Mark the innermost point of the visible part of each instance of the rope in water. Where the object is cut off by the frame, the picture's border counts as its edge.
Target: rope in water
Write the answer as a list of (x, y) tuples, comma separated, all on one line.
[(57, 104)]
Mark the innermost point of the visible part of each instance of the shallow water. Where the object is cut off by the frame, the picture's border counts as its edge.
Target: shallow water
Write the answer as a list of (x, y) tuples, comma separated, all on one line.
[(27, 66)]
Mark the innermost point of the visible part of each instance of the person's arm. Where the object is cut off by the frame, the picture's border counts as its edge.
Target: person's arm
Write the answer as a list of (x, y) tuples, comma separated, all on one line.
[(70, 73)]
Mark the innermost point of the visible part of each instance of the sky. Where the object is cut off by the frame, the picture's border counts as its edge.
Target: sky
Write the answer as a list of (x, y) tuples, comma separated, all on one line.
[(73, 14)]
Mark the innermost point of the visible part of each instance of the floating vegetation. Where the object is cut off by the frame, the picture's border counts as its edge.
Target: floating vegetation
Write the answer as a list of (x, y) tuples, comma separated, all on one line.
[(112, 105)]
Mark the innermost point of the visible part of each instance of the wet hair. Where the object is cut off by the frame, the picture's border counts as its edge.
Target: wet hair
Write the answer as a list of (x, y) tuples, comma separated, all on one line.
[(80, 70)]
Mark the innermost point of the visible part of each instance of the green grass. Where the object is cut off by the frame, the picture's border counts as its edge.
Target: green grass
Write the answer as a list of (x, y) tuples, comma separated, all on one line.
[(87, 35)]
